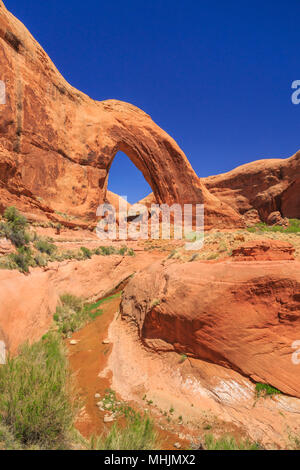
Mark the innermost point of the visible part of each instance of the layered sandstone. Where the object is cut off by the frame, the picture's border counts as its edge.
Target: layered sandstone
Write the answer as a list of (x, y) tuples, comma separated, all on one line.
[(244, 316), (268, 186), (57, 144), (264, 250)]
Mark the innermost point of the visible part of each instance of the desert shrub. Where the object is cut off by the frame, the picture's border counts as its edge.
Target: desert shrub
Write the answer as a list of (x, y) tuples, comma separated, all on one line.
[(13, 216), (228, 443), (35, 390), (40, 260), (264, 390), (212, 256), (87, 254), (44, 246), (137, 434), (130, 252), (105, 250), (22, 259), (18, 237), (222, 247), (72, 313), (123, 250), (14, 227)]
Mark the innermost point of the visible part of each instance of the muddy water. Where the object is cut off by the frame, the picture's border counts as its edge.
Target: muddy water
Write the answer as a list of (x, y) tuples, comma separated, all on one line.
[(88, 358)]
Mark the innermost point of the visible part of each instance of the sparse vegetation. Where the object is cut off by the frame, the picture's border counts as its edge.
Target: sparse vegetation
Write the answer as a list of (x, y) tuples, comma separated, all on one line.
[(212, 256), (293, 227), (228, 443), (87, 254), (35, 391), (14, 227), (72, 313), (137, 434), (264, 390), (183, 357), (22, 259), (44, 246), (154, 303)]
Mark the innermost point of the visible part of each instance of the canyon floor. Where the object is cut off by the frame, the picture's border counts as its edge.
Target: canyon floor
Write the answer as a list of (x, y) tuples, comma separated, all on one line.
[(188, 392)]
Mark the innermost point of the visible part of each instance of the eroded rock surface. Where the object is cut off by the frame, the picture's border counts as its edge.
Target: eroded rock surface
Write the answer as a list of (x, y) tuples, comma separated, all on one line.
[(265, 185), (28, 302), (57, 144), (264, 250), (244, 316), (258, 189)]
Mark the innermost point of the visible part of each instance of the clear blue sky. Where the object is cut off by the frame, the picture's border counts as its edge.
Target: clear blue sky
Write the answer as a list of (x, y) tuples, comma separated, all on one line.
[(216, 75)]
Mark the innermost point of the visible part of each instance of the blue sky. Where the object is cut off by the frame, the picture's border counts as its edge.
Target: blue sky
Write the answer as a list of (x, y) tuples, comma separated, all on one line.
[(215, 75)]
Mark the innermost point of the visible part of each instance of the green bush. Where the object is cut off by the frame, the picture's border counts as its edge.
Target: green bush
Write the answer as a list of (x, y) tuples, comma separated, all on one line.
[(264, 390), (87, 254), (13, 216), (14, 227), (22, 259), (72, 313), (35, 390), (40, 260), (123, 250), (45, 247), (105, 250)]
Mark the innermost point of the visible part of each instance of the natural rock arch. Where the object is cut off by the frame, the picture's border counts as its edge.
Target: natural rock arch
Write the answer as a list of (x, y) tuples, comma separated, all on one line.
[(57, 144)]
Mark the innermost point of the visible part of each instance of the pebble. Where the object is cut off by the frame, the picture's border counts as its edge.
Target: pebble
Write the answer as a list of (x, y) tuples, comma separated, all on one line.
[(105, 341), (108, 419), (177, 445), (97, 395), (99, 403), (73, 342)]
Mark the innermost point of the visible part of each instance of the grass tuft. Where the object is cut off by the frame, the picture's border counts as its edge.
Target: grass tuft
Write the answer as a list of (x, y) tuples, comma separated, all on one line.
[(264, 390), (137, 434), (228, 443), (34, 394)]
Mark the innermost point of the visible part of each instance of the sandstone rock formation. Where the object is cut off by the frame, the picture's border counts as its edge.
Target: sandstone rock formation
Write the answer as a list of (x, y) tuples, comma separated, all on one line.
[(57, 144), (265, 185), (264, 250), (259, 188), (27, 303), (244, 316)]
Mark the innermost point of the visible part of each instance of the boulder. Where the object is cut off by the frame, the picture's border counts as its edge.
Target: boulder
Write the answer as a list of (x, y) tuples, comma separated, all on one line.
[(275, 218)]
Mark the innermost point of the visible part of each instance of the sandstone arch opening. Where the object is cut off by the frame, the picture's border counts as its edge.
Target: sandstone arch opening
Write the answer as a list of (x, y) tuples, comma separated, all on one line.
[(125, 179)]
